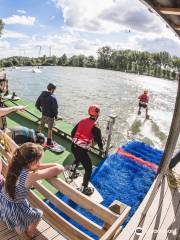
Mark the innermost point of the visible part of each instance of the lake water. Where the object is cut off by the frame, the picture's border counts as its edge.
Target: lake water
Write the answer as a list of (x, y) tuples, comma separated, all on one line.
[(115, 93)]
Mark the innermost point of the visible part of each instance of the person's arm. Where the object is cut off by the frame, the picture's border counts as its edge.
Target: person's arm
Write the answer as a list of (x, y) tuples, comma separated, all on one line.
[(74, 131), (5, 111), (97, 137), (44, 171), (55, 107), (38, 103)]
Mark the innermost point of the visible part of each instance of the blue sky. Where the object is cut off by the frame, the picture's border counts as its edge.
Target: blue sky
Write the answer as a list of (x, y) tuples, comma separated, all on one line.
[(81, 27)]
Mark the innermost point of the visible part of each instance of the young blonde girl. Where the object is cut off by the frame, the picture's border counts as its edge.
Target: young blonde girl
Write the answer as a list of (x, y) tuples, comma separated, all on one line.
[(23, 171)]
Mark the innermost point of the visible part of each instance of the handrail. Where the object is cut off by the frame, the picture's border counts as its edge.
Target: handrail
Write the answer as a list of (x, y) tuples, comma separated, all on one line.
[(112, 221), (91, 226), (58, 222), (53, 218), (55, 128), (84, 201)]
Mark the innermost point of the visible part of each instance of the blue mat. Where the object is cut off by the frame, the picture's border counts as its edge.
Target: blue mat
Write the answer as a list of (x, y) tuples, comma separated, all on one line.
[(119, 178)]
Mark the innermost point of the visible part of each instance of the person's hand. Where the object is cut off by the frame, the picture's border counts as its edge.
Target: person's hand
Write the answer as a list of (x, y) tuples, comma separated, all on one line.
[(20, 108)]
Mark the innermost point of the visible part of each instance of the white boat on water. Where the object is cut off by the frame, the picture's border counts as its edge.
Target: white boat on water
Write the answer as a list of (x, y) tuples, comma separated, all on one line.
[(36, 70)]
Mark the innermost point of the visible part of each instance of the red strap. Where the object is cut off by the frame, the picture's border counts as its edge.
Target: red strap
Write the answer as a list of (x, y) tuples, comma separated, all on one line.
[(137, 159)]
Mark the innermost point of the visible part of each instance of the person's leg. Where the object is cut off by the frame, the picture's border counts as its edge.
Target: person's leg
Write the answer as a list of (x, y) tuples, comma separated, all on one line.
[(75, 164), (42, 125), (147, 112), (139, 110), (174, 160), (31, 229), (87, 164), (50, 122), (75, 152)]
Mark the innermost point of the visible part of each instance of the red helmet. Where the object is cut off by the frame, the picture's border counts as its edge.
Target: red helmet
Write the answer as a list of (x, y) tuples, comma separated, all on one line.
[(94, 111)]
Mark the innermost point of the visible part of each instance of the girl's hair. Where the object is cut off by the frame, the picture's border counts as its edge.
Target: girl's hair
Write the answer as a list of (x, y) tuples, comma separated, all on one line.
[(23, 157)]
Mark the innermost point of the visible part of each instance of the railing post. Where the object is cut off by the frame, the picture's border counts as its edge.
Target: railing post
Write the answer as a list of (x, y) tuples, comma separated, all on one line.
[(109, 128)]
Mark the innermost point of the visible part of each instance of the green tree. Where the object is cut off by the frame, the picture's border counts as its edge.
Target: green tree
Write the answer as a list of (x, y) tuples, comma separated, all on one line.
[(1, 26), (104, 56), (64, 60), (90, 62)]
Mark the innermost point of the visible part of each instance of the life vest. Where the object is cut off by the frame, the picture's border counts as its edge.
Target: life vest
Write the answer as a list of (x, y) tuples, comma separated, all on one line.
[(144, 98), (83, 136)]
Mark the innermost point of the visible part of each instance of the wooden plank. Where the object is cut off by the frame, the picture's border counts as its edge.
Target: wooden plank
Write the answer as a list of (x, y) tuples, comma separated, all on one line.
[(77, 183), (112, 230), (177, 27), (49, 234), (135, 220), (171, 11), (146, 222), (169, 218), (7, 234), (174, 234), (58, 222), (90, 225), (59, 237), (41, 227), (82, 200), (2, 226), (157, 212)]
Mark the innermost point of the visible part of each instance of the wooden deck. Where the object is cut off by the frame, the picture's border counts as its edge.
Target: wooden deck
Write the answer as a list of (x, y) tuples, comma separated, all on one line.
[(162, 221), (44, 232)]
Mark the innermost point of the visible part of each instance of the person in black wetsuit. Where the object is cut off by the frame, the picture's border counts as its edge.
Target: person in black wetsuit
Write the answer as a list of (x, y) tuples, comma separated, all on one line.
[(83, 135), (175, 160), (22, 135)]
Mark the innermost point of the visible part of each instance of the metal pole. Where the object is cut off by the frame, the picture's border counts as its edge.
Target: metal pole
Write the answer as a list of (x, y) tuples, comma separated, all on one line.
[(109, 128)]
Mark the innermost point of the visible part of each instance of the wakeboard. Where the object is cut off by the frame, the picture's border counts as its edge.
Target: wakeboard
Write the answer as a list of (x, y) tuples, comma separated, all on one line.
[(77, 183), (57, 148)]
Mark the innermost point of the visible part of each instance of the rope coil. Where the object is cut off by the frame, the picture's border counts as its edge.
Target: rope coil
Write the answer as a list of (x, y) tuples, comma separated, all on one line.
[(173, 179)]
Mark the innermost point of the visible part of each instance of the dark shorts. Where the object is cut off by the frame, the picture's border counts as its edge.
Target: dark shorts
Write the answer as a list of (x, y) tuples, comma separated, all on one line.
[(47, 120), (144, 105)]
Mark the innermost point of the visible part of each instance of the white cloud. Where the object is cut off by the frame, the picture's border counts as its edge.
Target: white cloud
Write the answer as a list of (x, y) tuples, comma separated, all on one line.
[(63, 42), (109, 16), (42, 25), (16, 19), (163, 43), (52, 18), (13, 34), (21, 11), (118, 16), (4, 45)]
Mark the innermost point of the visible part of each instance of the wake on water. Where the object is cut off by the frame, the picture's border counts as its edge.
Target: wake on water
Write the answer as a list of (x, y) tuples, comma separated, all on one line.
[(146, 130)]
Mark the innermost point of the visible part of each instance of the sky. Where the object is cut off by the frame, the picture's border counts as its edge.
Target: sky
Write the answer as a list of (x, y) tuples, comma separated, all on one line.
[(38, 27)]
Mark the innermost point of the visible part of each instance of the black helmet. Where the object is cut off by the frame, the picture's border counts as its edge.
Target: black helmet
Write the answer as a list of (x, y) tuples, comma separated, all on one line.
[(51, 86), (40, 138)]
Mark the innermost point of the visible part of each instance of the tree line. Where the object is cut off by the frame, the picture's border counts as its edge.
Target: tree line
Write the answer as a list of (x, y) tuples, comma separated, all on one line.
[(161, 64)]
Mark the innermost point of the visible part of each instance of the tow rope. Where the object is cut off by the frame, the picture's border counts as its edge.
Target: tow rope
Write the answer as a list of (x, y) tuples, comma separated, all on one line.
[(173, 179), (151, 165)]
